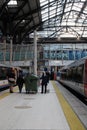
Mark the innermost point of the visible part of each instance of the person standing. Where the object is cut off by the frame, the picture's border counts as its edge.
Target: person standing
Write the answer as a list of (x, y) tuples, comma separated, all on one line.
[(44, 82), (20, 80), (48, 76)]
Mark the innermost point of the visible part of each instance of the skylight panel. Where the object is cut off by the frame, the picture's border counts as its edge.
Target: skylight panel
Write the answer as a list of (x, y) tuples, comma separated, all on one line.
[(83, 16), (44, 11), (77, 6), (85, 33), (43, 2), (72, 16), (45, 17), (51, 0), (85, 10), (12, 3), (52, 12), (69, 23), (53, 15), (83, 0), (58, 11), (68, 7), (80, 20), (85, 22), (52, 8)]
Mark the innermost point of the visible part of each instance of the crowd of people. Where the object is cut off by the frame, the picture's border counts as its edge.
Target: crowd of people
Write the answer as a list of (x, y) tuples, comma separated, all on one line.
[(19, 79)]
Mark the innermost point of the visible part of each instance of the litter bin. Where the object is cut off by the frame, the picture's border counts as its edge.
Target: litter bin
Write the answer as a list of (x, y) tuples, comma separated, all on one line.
[(31, 83)]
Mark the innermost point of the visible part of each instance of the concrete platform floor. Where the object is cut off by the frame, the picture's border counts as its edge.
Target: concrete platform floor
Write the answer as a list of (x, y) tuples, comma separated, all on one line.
[(32, 111)]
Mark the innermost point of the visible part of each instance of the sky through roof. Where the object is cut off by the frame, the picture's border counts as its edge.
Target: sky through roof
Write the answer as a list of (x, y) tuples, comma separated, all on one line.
[(64, 18)]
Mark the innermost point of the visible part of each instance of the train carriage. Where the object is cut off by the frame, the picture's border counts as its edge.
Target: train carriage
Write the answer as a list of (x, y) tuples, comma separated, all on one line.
[(75, 76)]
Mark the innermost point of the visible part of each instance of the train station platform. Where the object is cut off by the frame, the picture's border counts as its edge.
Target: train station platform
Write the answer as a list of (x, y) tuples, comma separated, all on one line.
[(50, 111)]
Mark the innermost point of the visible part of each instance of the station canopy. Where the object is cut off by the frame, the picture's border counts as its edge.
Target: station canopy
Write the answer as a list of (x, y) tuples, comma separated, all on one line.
[(54, 19)]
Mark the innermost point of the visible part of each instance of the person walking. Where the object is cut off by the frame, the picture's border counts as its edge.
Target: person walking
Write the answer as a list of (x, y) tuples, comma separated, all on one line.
[(20, 80), (44, 82), (11, 78), (48, 76)]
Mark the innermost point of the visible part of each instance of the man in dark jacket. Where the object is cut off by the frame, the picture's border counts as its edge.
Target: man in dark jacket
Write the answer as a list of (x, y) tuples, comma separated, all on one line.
[(20, 81), (44, 82)]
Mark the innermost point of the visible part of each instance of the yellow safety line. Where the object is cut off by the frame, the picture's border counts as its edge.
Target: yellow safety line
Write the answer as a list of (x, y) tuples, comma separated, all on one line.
[(7, 93), (15, 89), (4, 95), (71, 117)]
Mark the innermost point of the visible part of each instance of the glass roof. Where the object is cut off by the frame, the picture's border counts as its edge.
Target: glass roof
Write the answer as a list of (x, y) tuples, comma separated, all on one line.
[(12, 3), (64, 18)]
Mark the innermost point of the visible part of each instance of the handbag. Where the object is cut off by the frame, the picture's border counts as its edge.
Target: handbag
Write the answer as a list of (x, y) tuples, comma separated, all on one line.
[(12, 80)]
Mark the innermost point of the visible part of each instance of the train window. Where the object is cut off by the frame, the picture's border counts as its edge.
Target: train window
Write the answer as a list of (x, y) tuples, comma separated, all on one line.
[(80, 73), (63, 74), (74, 73), (69, 74), (3, 73)]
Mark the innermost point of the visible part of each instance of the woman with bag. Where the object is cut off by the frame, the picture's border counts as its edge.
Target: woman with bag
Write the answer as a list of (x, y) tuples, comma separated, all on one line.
[(11, 78)]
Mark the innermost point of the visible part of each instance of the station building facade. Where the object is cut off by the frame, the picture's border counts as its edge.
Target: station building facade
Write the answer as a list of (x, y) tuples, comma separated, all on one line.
[(50, 56)]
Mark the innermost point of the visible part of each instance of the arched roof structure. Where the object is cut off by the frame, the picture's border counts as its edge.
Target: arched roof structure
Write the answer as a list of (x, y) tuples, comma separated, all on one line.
[(53, 19)]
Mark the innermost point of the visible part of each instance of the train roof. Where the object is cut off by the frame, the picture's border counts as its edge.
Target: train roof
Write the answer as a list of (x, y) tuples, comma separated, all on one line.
[(78, 62), (75, 63)]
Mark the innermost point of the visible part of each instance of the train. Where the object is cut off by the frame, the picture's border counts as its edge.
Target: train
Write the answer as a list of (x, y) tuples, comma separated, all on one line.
[(3, 75), (74, 76)]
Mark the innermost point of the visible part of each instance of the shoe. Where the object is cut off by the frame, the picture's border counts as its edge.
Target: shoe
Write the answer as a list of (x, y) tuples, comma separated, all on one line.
[(11, 91)]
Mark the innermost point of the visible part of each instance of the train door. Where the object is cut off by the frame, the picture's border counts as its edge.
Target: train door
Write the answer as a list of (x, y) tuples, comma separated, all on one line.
[(85, 78)]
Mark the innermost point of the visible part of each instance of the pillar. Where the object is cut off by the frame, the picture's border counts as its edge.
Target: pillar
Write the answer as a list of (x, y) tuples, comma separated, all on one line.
[(4, 52), (35, 52), (11, 50)]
